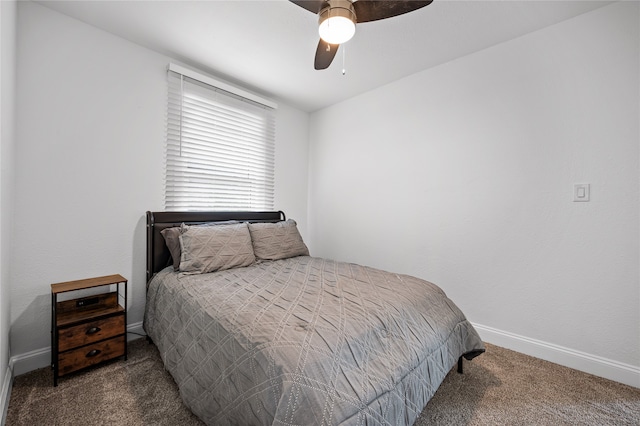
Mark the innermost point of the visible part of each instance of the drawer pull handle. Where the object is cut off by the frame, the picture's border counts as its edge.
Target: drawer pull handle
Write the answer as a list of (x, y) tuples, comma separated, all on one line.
[(93, 352), (93, 330)]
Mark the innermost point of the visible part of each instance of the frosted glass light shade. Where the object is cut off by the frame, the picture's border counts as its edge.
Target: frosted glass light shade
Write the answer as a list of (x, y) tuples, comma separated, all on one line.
[(337, 22), (337, 29)]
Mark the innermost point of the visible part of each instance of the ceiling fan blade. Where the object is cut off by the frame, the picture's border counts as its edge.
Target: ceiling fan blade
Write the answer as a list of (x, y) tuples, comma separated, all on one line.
[(313, 6), (325, 54), (373, 10)]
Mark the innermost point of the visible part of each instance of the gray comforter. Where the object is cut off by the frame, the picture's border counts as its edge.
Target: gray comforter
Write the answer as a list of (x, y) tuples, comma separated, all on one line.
[(306, 341)]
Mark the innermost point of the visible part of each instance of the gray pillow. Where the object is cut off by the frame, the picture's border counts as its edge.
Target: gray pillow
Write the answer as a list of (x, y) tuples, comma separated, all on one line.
[(280, 240), (172, 239), (215, 248)]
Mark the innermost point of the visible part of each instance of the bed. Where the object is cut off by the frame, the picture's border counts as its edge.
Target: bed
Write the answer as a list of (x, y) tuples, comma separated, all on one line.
[(285, 338)]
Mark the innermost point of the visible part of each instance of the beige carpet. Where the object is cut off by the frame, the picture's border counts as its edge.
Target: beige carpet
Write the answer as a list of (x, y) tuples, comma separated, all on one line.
[(500, 387)]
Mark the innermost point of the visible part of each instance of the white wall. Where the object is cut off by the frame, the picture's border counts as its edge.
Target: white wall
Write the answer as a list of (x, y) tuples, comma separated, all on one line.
[(8, 18), (463, 175), (292, 132), (89, 163)]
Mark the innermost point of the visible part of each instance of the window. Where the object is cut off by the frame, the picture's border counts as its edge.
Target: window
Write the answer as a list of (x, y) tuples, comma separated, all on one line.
[(220, 146)]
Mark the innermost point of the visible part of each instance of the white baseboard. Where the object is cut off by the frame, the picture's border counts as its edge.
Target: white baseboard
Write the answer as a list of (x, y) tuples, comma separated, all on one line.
[(5, 394), (39, 358), (137, 330), (32, 360), (592, 364)]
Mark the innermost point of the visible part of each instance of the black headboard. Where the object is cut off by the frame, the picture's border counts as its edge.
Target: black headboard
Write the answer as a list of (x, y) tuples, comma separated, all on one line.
[(157, 252)]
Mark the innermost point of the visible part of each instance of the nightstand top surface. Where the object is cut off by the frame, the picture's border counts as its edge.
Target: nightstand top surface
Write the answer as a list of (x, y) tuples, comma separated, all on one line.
[(86, 283)]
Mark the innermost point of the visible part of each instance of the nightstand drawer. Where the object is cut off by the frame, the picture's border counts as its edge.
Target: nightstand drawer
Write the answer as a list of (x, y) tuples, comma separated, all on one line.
[(93, 331), (91, 354)]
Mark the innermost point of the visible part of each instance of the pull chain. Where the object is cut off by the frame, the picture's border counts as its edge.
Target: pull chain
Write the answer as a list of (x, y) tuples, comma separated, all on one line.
[(344, 67)]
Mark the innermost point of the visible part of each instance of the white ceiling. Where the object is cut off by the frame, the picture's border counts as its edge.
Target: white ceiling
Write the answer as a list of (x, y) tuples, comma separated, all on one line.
[(268, 46)]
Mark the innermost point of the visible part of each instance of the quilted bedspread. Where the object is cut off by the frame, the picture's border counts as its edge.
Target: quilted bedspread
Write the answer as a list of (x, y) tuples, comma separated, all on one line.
[(306, 341)]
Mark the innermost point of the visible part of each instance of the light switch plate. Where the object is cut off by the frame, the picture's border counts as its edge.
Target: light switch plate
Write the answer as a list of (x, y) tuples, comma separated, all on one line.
[(581, 192)]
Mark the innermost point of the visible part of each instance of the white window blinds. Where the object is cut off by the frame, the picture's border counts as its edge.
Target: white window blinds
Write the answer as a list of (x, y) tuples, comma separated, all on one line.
[(219, 151)]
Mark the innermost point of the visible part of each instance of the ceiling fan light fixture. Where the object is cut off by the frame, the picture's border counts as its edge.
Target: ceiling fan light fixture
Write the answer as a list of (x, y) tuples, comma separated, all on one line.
[(337, 22)]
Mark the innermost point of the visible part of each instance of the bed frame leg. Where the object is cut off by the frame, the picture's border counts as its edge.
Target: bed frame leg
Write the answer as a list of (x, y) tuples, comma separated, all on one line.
[(460, 367)]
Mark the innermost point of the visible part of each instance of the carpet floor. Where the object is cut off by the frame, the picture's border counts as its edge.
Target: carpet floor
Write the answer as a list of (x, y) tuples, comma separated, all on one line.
[(500, 387)]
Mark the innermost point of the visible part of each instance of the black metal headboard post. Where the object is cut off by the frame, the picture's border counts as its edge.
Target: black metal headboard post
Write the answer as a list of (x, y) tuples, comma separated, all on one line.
[(157, 252)]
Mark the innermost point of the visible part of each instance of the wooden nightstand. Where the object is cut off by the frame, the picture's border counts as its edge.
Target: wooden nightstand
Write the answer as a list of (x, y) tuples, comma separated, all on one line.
[(88, 330)]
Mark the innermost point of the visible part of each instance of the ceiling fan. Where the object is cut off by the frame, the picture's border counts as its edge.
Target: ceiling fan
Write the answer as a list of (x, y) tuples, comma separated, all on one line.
[(338, 18)]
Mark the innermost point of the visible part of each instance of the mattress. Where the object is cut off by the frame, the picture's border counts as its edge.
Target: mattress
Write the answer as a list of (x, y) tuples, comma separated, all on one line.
[(306, 341)]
